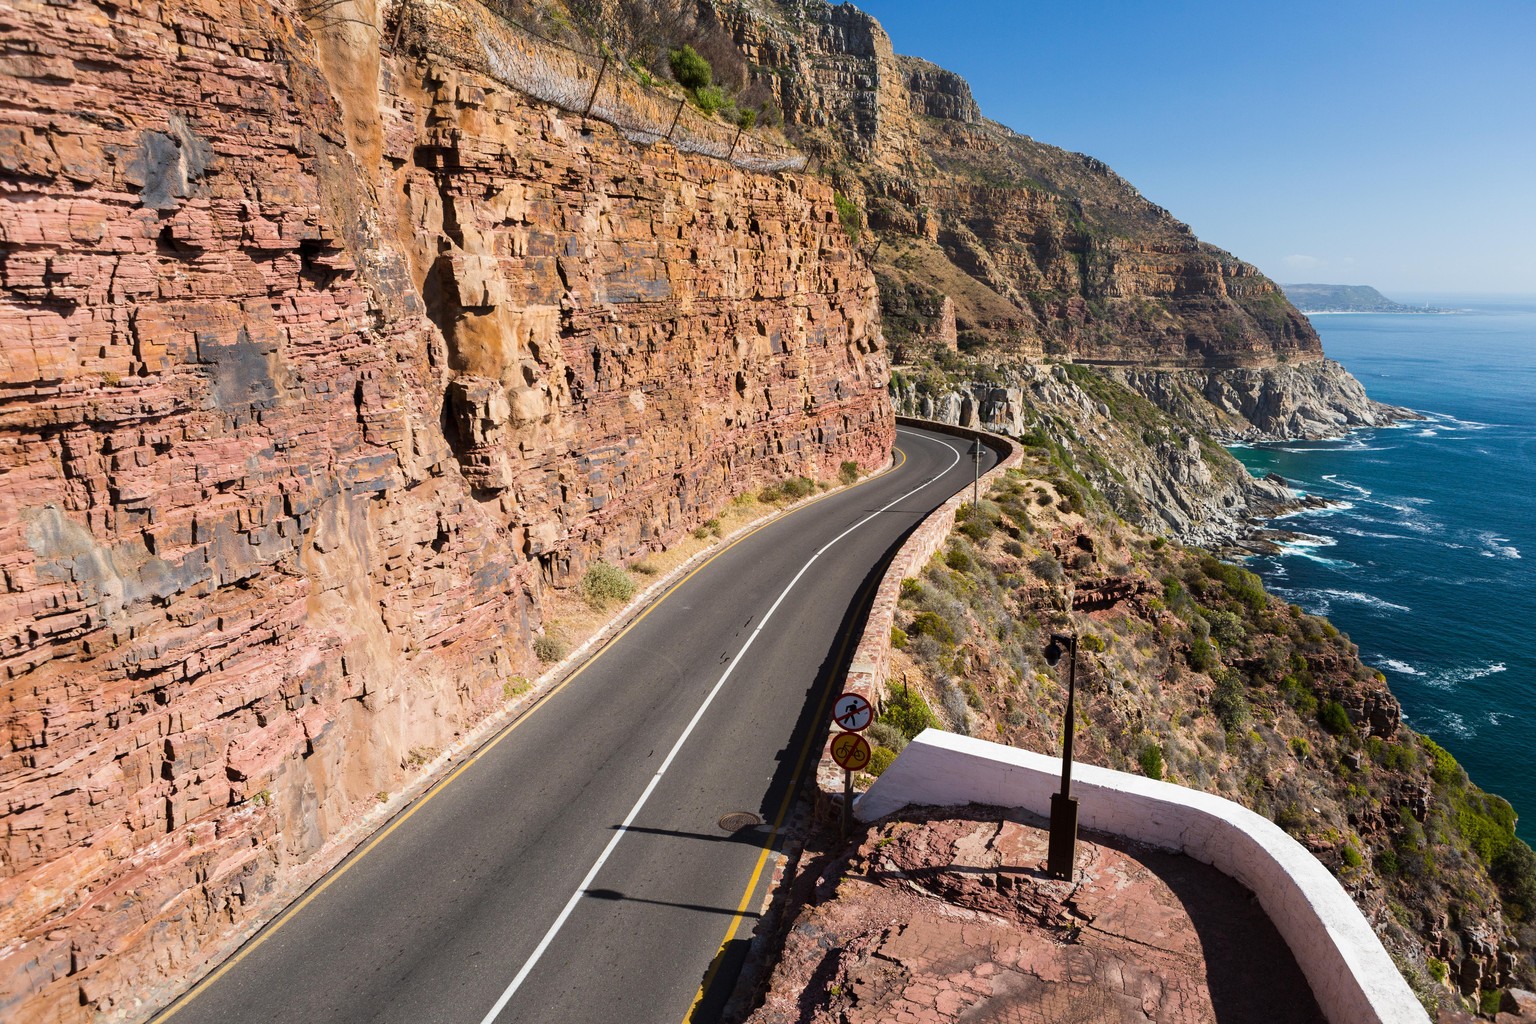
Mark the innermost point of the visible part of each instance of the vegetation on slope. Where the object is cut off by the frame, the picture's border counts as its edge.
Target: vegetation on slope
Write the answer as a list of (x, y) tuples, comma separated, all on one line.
[(1189, 671)]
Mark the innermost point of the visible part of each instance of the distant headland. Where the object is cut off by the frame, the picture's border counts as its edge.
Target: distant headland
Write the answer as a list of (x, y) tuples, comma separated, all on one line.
[(1346, 298)]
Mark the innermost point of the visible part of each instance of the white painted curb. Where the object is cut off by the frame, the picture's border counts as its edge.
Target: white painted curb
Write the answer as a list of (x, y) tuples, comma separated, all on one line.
[(1352, 977)]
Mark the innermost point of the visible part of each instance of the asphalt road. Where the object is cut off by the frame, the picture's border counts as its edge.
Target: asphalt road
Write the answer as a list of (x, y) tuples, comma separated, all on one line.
[(576, 871)]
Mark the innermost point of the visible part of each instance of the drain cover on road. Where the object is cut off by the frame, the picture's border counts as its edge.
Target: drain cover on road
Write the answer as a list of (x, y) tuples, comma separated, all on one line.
[(736, 821)]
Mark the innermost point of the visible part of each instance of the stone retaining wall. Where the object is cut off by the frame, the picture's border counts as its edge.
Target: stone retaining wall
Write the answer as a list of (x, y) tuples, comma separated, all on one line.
[(1352, 977), (872, 658)]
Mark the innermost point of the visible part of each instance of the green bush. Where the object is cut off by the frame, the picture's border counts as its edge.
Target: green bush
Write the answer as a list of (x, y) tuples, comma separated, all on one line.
[(709, 99), (549, 648), (1092, 642), (691, 70), (1046, 567), (747, 119), (898, 638), (848, 472), (1151, 760), (1487, 823), (884, 734), (932, 624), (1333, 718), (1202, 656), (1490, 1000), (1515, 873), (1352, 856), (848, 214), (1443, 767), (879, 760), (959, 559), (605, 584), (1229, 701), (908, 713)]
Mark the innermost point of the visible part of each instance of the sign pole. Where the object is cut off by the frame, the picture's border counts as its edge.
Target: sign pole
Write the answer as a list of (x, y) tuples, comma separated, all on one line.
[(851, 752), (847, 804)]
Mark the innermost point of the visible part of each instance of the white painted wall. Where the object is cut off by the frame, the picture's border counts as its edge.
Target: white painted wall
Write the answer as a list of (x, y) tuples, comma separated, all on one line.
[(1352, 977)]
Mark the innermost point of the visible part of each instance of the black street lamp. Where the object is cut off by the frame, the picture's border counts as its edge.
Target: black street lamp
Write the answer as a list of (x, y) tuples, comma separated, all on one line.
[(1061, 854)]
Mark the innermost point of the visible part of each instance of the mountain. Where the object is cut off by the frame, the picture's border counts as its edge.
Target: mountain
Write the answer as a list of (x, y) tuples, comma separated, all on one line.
[(1343, 298)]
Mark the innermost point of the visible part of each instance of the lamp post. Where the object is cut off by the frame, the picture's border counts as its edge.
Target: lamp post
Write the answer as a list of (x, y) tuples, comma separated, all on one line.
[(1061, 853), (975, 453)]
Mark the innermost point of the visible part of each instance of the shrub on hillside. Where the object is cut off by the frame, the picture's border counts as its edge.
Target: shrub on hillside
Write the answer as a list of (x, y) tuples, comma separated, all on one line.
[(605, 584), (691, 70), (908, 713)]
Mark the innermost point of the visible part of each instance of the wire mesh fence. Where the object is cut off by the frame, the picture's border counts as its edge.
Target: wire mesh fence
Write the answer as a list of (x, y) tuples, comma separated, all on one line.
[(590, 84)]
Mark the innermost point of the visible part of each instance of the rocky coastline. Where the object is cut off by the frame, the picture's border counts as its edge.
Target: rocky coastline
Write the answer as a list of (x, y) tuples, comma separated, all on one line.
[(1160, 461)]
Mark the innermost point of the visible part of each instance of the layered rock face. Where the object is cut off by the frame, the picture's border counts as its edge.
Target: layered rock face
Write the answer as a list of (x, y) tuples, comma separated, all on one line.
[(1158, 470), (1042, 251), (321, 363)]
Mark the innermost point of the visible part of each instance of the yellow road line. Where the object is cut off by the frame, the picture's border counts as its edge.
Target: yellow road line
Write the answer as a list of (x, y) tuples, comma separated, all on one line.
[(778, 821), (346, 865)]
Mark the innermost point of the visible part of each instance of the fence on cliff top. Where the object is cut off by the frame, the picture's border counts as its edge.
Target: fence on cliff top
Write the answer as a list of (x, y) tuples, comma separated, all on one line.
[(590, 84)]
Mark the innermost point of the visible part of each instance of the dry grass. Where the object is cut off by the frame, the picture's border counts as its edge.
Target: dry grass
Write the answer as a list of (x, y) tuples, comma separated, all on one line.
[(574, 621)]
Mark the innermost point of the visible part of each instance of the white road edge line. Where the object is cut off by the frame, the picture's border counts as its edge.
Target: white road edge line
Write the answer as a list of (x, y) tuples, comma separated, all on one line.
[(634, 811)]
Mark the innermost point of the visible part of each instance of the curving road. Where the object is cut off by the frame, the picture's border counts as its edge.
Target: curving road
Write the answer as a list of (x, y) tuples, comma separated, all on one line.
[(575, 869)]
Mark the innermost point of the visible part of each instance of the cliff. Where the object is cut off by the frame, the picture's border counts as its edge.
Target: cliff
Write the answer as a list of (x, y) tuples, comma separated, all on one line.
[(326, 354), (1188, 671), (1040, 250), (995, 252)]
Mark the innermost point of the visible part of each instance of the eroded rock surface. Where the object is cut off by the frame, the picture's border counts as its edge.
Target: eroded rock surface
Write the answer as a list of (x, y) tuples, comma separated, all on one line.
[(948, 916), (321, 362)]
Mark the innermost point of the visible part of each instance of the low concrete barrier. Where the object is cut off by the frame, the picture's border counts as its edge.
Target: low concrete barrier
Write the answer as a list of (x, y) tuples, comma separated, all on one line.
[(1352, 977), (872, 657)]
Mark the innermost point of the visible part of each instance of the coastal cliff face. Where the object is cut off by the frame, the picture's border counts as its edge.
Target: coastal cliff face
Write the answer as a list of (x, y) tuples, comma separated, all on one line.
[(995, 252), (1150, 440), (1186, 670), (1040, 250), (322, 362)]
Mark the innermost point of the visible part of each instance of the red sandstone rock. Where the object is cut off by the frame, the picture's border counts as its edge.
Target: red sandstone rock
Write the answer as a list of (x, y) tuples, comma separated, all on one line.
[(319, 366)]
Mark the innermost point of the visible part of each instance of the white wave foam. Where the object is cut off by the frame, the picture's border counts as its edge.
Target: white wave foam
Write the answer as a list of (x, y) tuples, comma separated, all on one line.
[(1302, 541), (1317, 510), (1450, 679), (1401, 667), (1350, 531), (1333, 478), (1457, 726), (1369, 600), (1495, 546)]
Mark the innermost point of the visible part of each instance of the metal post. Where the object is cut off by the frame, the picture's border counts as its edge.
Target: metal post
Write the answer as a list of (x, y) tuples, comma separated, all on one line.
[(680, 104), (1061, 853), (975, 453), (737, 139), (399, 26), (847, 804), (596, 86)]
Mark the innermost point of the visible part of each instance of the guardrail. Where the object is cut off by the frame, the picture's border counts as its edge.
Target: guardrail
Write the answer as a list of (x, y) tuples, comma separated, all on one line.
[(589, 84)]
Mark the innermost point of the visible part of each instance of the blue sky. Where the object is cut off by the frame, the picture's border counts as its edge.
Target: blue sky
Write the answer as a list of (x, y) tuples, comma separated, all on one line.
[(1391, 144)]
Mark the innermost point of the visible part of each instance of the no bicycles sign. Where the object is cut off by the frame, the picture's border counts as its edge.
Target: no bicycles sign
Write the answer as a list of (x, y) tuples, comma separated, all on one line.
[(851, 751)]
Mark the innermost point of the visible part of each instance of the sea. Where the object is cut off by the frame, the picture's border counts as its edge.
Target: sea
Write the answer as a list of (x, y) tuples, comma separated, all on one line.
[(1425, 554)]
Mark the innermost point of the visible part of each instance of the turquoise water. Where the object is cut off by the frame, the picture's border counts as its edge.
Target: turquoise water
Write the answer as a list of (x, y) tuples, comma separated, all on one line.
[(1425, 557)]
